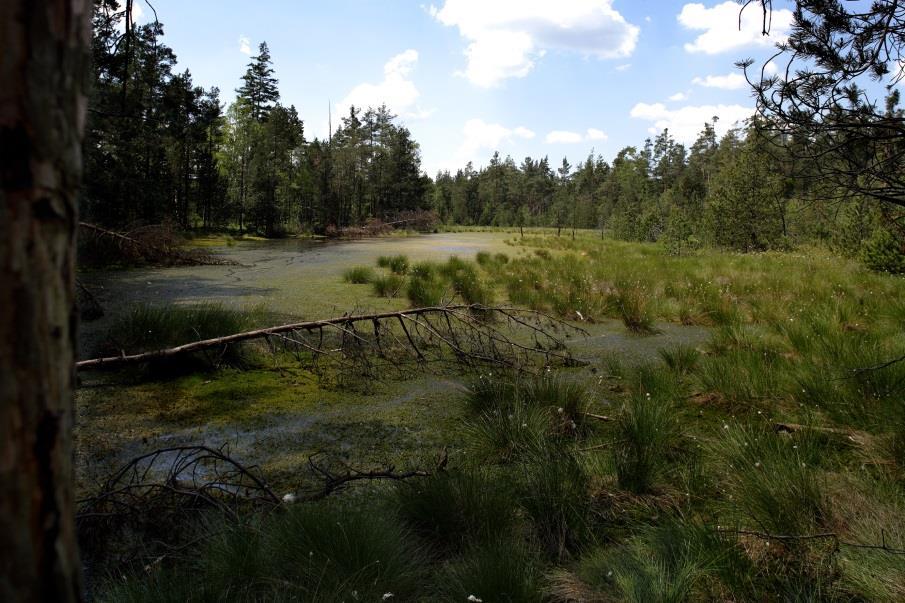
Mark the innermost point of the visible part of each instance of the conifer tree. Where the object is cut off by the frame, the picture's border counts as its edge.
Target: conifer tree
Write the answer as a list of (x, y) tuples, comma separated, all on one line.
[(260, 86)]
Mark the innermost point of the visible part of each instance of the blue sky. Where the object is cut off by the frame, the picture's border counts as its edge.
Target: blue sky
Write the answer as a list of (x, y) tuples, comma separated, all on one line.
[(527, 77)]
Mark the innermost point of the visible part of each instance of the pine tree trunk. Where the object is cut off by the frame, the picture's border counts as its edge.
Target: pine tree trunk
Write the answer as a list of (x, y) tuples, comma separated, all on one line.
[(44, 67)]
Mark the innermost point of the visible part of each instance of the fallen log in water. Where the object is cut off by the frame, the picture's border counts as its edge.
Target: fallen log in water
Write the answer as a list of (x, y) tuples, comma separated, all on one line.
[(468, 331)]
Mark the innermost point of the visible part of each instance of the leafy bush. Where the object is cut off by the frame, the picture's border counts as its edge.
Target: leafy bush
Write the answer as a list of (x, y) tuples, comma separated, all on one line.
[(397, 264), (359, 275)]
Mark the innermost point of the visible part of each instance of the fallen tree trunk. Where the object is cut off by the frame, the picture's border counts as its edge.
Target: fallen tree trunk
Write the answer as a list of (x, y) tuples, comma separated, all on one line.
[(156, 252), (482, 342)]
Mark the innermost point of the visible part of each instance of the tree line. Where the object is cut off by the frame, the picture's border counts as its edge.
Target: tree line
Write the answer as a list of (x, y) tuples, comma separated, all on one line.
[(159, 148)]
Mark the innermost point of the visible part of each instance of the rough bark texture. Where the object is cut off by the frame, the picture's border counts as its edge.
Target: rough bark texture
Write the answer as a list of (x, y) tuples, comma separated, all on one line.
[(44, 69)]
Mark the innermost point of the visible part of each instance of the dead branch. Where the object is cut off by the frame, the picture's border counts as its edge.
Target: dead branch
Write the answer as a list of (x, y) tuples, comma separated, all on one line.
[(833, 536), (423, 335), (334, 482), (142, 244)]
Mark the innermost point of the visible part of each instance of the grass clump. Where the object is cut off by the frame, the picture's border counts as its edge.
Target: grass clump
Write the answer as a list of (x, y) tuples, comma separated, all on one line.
[(503, 570), (387, 285), (397, 264), (426, 287), (457, 507), (324, 552), (465, 281), (675, 561), (773, 478), (681, 359), (632, 304), (647, 433), (359, 275)]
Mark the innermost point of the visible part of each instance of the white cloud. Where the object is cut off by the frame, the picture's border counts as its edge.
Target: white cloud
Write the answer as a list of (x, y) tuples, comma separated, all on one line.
[(244, 45), (397, 90), (685, 123), (479, 136), (567, 137), (506, 37), (720, 26), (678, 96), (623, 67), (730, 81)]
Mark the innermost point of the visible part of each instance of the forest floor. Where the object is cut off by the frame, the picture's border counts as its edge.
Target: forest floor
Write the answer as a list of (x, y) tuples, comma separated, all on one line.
[(754, 447)]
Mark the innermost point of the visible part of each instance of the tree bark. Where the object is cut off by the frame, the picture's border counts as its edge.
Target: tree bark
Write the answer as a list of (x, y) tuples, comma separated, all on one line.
[(44, 69)]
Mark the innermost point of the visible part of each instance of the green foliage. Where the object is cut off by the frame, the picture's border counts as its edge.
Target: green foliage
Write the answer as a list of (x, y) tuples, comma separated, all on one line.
[(397, 264), (632, 304), (359, 275), (883, 253), (681, 359)]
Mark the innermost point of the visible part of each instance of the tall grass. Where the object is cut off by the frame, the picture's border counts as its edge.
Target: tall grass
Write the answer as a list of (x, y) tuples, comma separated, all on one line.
[(146, 327), (387, 285), (426, 287), (646, 436), (397, 264), (359, 275), (774, 479)]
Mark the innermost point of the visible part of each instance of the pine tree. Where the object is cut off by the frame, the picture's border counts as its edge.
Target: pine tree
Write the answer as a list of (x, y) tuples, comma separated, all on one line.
[(260, 87)]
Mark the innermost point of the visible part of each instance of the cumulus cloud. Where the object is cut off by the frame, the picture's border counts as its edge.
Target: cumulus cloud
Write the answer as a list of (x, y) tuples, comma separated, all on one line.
[(506, 37), (730, 81), (244, 45), (478, 135), (397, 90), (678, 96), (567, 137), (685, 123), (721, 31)]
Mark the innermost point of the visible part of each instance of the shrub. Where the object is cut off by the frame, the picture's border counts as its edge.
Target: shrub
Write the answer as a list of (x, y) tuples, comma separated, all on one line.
[(883, 253), (397, 264), (359, 275), (387, 285)]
